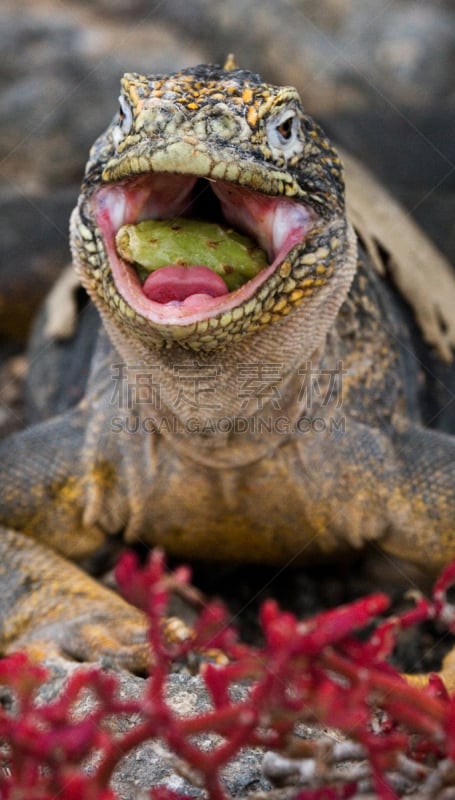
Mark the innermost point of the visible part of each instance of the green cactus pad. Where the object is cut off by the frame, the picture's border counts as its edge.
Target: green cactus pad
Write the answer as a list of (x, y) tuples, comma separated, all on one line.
[(152, 244)]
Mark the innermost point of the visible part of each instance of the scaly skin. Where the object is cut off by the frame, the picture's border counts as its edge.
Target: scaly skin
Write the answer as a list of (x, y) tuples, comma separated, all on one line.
[(282, 424)]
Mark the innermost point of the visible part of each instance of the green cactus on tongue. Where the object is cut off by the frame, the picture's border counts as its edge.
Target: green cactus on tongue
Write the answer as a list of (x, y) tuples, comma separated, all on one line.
[(152, 244)]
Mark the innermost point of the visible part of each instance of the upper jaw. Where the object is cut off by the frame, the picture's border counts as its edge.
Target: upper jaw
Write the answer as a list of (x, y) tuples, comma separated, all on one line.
[(277, 224)]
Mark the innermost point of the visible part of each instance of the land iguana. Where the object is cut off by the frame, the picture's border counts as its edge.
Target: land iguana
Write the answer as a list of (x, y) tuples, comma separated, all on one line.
[(280, 420)]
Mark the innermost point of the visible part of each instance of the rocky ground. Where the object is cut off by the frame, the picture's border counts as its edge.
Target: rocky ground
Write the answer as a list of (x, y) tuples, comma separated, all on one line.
[(377, 74)]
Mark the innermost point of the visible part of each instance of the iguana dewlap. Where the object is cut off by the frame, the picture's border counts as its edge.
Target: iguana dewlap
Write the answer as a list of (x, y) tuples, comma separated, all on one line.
[(280, 420)]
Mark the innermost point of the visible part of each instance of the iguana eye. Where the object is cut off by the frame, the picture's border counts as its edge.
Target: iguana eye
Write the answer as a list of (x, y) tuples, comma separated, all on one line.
[(125, 121), (284, 129), (283, 133)]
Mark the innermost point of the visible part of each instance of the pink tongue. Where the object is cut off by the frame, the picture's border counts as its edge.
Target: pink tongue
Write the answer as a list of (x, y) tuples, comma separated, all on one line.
[(176, 283)]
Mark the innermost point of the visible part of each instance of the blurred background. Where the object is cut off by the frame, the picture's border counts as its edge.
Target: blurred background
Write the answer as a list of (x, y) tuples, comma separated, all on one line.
[(378, 74)]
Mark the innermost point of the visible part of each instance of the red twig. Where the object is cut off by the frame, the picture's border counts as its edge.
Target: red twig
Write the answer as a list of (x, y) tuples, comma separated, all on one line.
[(316, 672)]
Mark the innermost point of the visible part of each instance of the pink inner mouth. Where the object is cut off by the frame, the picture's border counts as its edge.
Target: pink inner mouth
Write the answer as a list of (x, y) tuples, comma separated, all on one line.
[(181, 295)]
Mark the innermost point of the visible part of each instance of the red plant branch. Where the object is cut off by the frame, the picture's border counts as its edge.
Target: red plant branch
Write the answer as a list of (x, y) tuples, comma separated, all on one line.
[(317, 672)]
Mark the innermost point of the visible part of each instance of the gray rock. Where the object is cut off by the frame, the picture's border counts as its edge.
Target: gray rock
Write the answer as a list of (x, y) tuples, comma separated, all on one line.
[(151, 764)]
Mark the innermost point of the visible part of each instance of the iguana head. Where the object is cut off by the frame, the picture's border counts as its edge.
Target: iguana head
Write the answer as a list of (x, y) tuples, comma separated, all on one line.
[(215, 144)]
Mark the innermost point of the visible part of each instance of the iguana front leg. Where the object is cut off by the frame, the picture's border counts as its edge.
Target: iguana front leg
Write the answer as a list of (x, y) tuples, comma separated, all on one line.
[(48, 604), (395, 486), (422, 497)]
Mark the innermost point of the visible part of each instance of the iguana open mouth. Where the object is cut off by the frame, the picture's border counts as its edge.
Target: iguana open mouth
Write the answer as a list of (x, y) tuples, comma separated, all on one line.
[(181, 295)]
